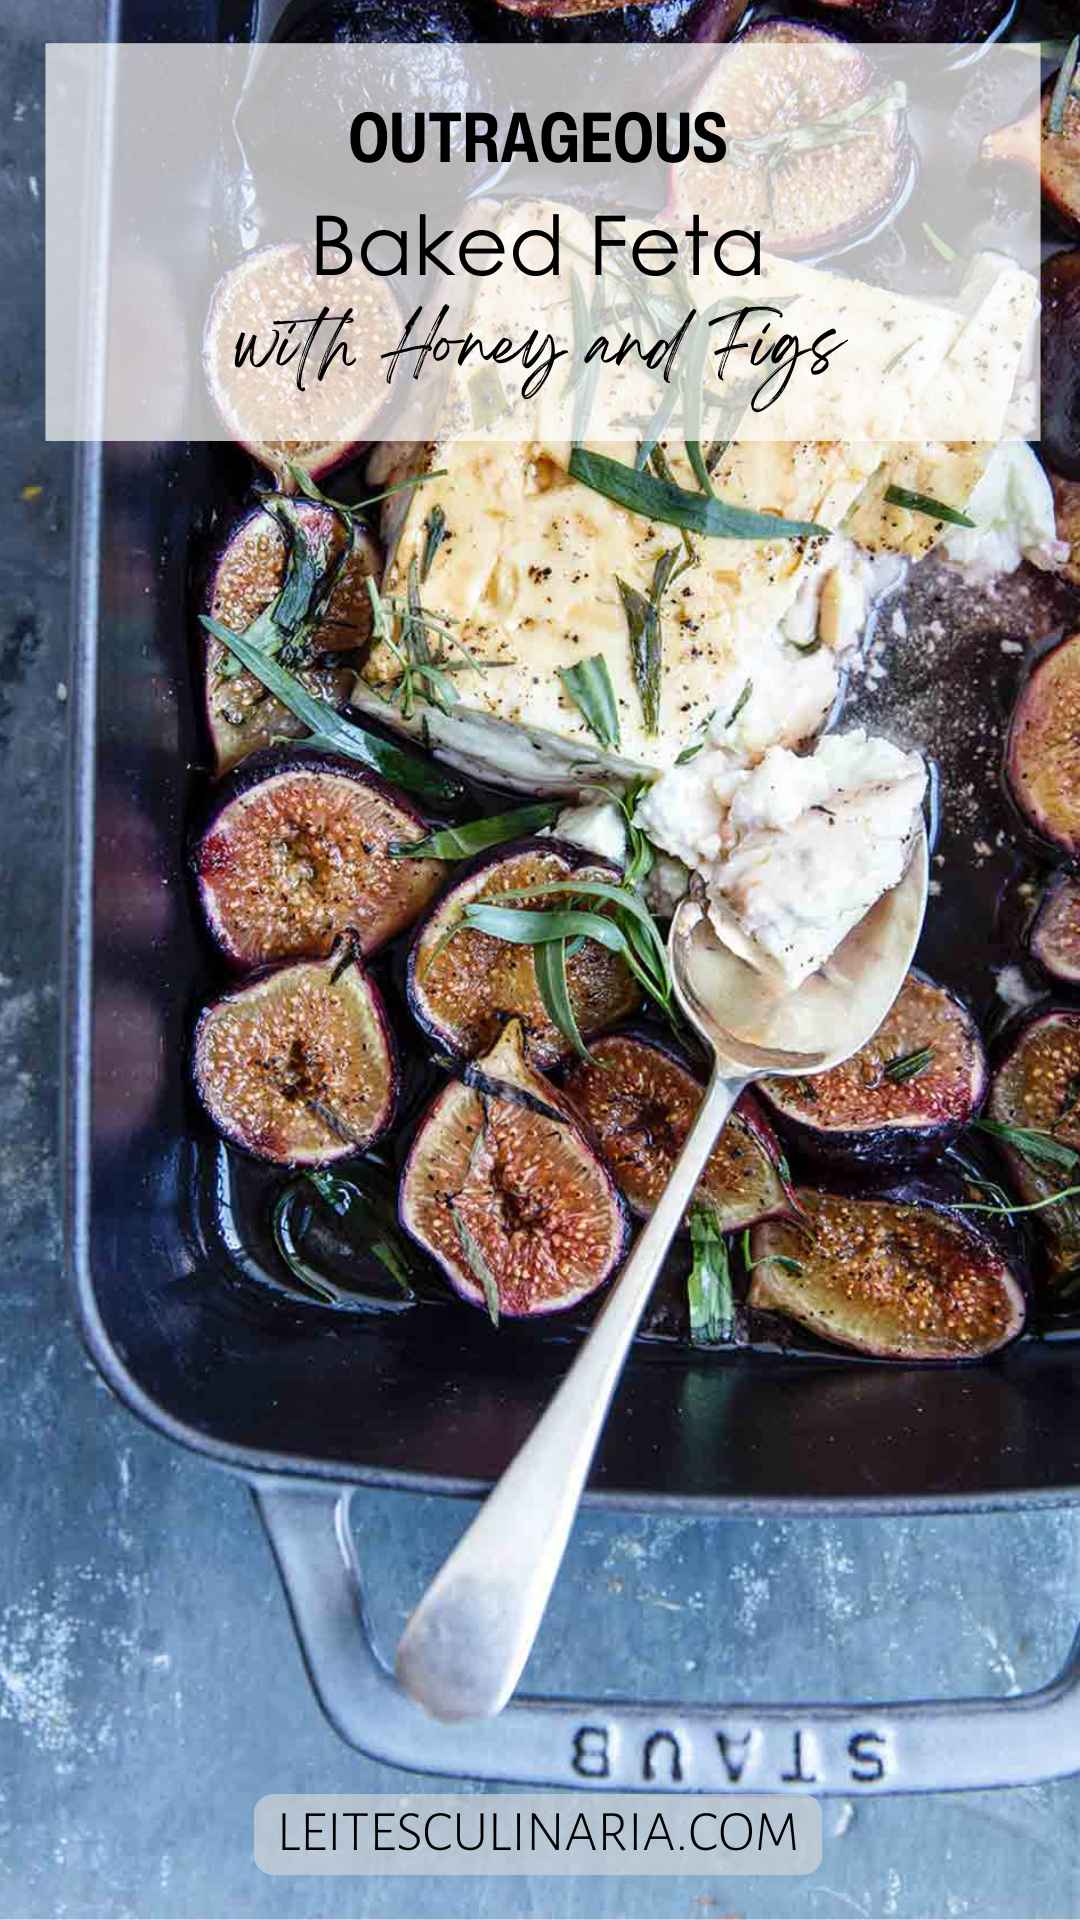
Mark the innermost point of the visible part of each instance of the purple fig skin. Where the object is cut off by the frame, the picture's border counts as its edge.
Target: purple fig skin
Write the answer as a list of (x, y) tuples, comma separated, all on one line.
[(1056, 1228), (748, 1108), (473, 1294), (1038, 751), (277, 764), (232, 1129), (1054, 939), (876, 1152), (440, 1031), (240, 583), (943, 1193)]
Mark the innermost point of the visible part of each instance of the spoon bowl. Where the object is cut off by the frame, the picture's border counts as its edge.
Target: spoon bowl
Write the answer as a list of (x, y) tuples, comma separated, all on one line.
[(752, 1027), (464, 1648)]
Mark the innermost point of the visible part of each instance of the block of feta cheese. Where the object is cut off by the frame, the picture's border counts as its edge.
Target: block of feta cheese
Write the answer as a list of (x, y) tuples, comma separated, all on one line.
[(529, 567)]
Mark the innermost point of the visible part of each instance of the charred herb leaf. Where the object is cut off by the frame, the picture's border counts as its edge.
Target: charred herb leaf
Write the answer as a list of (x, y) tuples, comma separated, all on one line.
[(372, 1229), (708, 1287), (460, 843), (739, 704), (330, 730), (665, 501), (549, 961), (922, 503), (1063, 87), (939, 245), (783, 1260), (907, 1066), (588, 685), (434, 535), (1034, 1143), (305, 484), (646, 634)]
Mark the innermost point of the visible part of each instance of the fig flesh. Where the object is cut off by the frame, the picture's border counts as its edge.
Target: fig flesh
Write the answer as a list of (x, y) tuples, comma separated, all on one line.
[(818, 148), (1038, 140), (246, 578), (1067, 523), (943, 20), (299, 853), (1042, 756), (1035, 1106), (298, 1067), (901, 1277), (638, 1099), (280, 281), (505, 1193), (1055, 932), (902, 1098), (464, 984)]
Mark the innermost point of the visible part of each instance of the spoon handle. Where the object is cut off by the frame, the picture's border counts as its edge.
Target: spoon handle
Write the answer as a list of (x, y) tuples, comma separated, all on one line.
[(464, 1648)]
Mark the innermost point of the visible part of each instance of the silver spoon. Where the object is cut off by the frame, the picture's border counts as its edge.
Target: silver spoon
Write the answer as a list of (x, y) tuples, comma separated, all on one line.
[(464, 1648)]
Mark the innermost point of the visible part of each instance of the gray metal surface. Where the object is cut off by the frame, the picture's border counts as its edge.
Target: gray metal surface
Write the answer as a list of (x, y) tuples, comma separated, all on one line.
[(150, 1685)]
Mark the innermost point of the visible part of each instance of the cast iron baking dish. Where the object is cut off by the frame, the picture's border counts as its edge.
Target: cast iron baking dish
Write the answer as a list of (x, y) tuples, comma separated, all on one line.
[(308, 1404)]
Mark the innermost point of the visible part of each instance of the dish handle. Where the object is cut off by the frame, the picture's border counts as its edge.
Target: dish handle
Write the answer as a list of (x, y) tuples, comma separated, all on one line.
[(612, 1745)]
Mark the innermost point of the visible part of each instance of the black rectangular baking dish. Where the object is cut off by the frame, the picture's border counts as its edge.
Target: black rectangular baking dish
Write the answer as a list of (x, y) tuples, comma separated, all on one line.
[(308, 1406)]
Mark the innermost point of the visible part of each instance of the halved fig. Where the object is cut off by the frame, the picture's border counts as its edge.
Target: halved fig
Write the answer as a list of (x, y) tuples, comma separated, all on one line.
[(1035, 1105), (923, 19), (902, 1098), (299, 1066), (246, 577), (818, 152), (1028, 143), (261, 403), (1061, 362), (502, 1188), (1067, 523), (463, 985), (1042, 756), (713, 20), (1054, 939), (901, 1275), (299, 853), (639, 1099), (1061, 154)]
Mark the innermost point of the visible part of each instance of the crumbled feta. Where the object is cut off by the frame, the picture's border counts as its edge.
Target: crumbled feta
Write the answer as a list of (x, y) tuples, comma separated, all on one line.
[(600, 828), (1013, 511), (796, 849), (814, 843)]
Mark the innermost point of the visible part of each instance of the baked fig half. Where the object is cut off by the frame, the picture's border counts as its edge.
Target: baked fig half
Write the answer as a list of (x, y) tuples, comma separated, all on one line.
[(329, 419), (818, 153), (504, 1191), (1054, 939), (1061, 147), (1042, 755), (298, 1067), (1048, 140), (300, 852), (246, 577), (1067, 523), (638, 1099), (901, 1276), (1034, 1116), (1061, 362), (934, 20), (464, 984), (902, 1098)]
